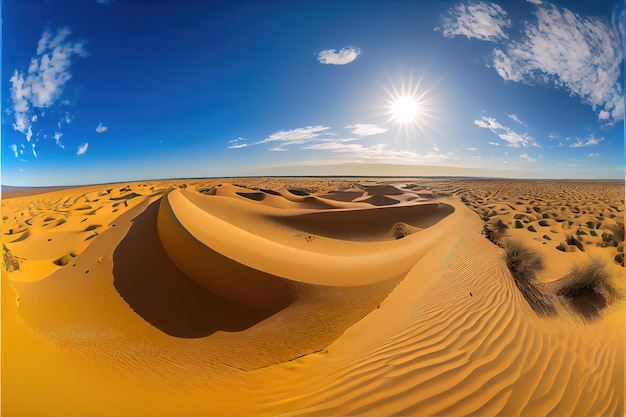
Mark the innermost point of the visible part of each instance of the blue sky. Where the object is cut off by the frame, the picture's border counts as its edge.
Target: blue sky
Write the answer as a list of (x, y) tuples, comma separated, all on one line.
[(100, 91)]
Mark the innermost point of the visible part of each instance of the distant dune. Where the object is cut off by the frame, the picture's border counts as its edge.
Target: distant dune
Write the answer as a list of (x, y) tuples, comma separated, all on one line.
[(314, 297)]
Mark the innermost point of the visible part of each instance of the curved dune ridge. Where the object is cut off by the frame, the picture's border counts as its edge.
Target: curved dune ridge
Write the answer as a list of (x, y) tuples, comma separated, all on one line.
[(308, 297)]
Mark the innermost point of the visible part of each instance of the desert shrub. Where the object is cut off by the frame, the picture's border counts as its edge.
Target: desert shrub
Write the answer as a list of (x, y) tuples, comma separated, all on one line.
[(524, 263), (65, 259), (10, 262), (587, 288), (400, 230)]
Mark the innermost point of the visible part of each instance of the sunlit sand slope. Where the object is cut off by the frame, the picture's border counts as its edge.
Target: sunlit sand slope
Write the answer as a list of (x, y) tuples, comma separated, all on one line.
[(329, 297)]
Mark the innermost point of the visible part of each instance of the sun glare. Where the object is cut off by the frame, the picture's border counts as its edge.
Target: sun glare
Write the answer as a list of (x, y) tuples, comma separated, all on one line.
[(404, 109)]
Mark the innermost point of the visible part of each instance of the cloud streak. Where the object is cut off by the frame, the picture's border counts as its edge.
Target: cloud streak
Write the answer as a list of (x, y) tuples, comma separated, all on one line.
[(101, 128), (505, 133), (82, 148), (361, 129), (483, 21), (41, 85), (590, 142), (377, 152), (581, 54), (342, 57)]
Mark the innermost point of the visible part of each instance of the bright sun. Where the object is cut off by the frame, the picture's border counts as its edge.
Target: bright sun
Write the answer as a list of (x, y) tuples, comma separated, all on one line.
[(404, 109)]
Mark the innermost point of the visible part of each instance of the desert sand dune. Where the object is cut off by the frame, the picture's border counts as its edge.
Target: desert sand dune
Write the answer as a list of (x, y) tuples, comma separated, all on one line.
[(257, 296)]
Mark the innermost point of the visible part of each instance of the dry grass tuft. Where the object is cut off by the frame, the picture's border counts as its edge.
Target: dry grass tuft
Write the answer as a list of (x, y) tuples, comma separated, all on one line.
[(587, 289), (400, 230), (10, 262), (524, 263)]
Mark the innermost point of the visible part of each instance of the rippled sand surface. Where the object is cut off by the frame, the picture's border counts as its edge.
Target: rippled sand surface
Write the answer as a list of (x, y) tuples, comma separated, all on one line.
[(307, 296)]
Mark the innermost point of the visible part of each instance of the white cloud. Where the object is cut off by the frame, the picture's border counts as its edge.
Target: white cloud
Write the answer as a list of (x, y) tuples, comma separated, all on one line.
[(14, 149), (484, 21), (537, 2), (295, 136), (494, 143), (101, 129), (278, 148), (237, 143), (505, 133), (472, 149), (57, 139), (580, 54), (517, 119), (29, 133), (34, 151), (377, 152), (590, 142), (41, 86), (82, 148), (342, 57), (604, 115), (362, 129), (489, 123), (594, 155), (527, 158), (238, 146)]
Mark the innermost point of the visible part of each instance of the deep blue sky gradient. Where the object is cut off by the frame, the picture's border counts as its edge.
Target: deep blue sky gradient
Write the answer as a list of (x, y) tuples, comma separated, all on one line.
[(175, 81)]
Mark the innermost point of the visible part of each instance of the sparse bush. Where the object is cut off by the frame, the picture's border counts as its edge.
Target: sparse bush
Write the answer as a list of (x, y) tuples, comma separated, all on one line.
[(10, 262), (65, 259), (400, 230), (587, 289), (524, 263)]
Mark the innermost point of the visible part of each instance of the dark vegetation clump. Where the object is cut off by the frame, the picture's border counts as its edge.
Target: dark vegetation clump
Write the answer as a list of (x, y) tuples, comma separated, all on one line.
[(65, 259), (524, 263), (587, 289), (10, 262), (400, 230)]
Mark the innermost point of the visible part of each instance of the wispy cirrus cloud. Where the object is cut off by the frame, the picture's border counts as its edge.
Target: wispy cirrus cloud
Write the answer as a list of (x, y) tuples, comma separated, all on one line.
[(238, 143), (82, 148), (483, 21), (362, 129), (57, 139), (41, 85), (342, 57), (13, 148), (592, 140), (527, 158), (297, 136), (505, 133), (593, 155), (581, 54), (101, 128), (284, 138), (513, 117), (377, 152)]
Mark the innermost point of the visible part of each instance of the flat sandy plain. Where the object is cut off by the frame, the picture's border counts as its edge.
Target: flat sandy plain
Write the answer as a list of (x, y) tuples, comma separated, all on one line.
[(309, 296)]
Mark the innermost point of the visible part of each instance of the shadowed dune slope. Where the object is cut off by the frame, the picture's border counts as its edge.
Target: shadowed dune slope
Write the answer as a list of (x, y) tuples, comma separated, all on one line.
[(367, 224)]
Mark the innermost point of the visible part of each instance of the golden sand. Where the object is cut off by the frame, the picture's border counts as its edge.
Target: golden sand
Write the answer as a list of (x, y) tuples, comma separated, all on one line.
[(307, 296)]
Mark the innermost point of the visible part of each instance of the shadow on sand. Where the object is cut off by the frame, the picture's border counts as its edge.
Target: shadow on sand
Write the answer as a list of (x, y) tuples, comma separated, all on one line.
[(164, 296)]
